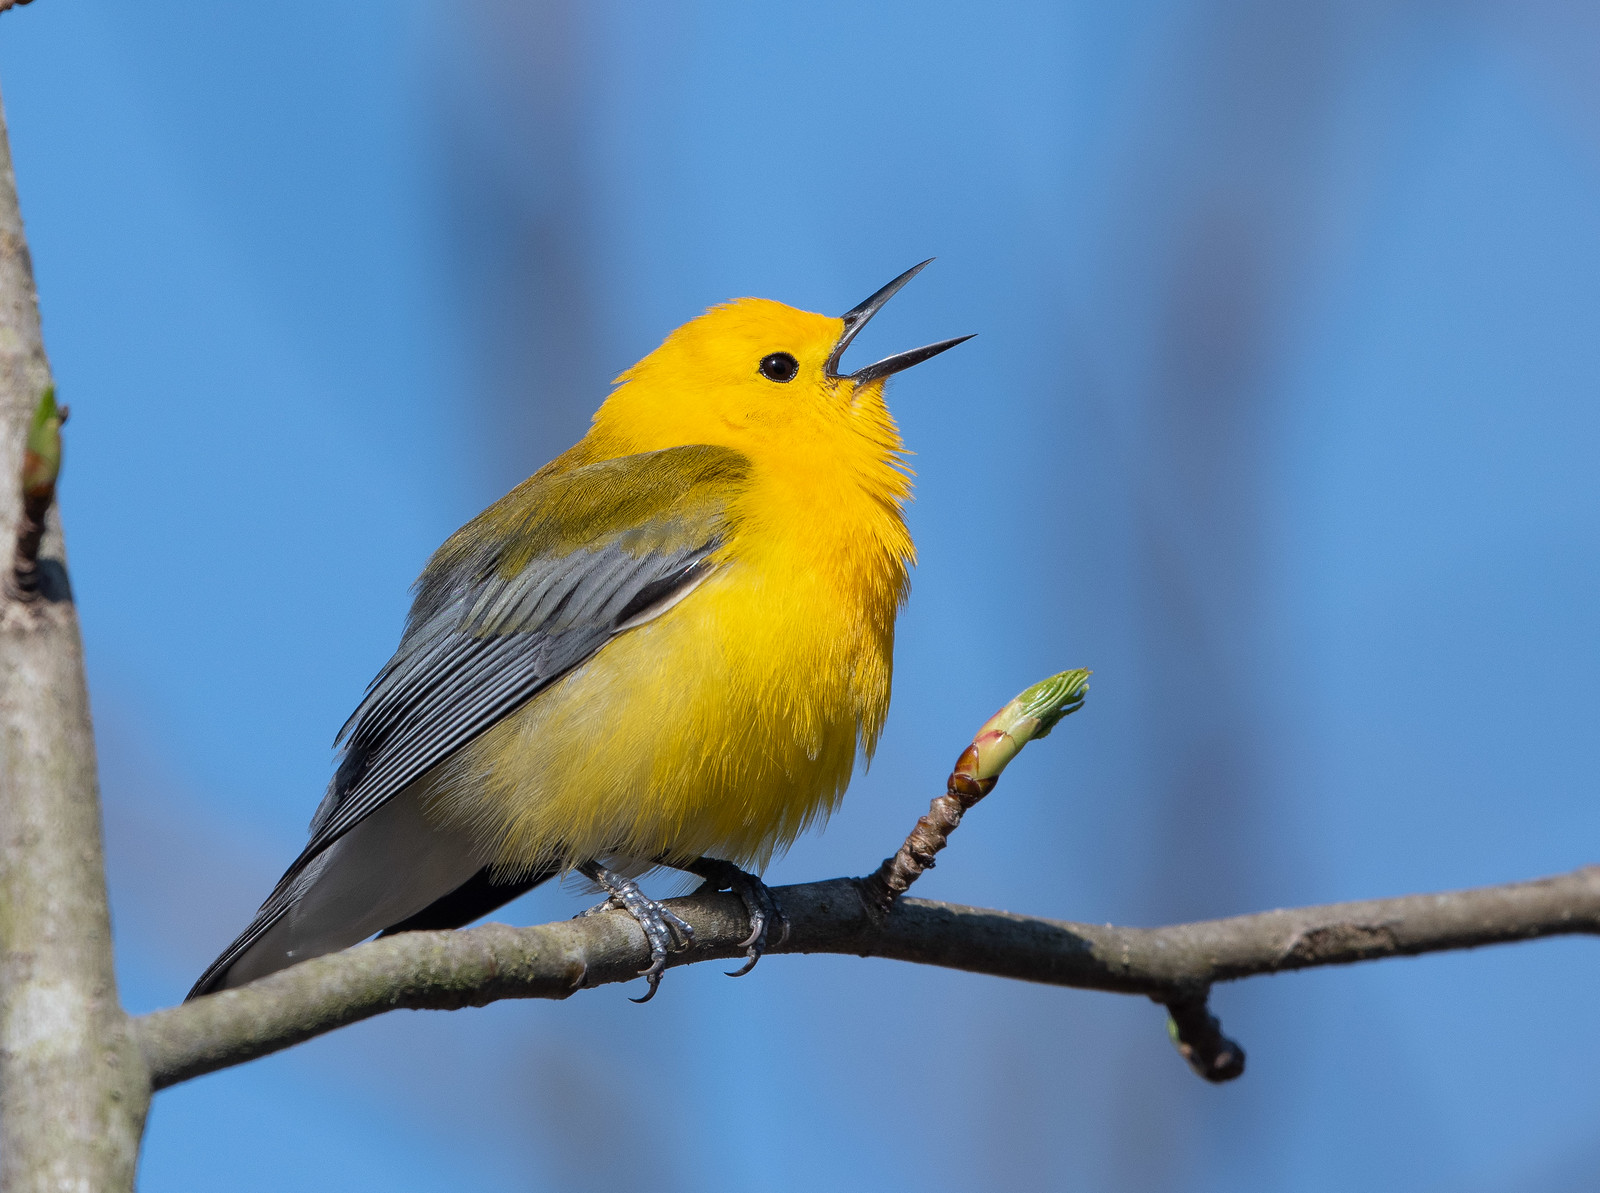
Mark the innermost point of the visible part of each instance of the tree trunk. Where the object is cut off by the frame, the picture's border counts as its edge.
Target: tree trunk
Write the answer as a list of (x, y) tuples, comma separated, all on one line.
[(73, 1088)]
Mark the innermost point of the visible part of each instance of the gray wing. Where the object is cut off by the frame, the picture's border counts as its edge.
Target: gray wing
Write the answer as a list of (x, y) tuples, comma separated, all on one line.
[(468, 665), (478, 645)]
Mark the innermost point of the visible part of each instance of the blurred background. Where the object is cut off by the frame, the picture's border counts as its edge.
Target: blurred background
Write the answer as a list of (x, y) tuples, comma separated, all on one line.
[(1282, 417)]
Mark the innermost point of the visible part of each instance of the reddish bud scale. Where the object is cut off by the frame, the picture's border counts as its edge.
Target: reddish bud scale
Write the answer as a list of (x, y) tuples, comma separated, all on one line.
[(38, 475)]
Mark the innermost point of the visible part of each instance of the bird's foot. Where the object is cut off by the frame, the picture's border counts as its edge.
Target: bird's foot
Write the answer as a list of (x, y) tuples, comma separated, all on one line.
[(760, 904), (663, 931)]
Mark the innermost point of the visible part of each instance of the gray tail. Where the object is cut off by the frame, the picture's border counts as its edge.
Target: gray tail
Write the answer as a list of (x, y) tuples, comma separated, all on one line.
[(394, 871), (472, 900)]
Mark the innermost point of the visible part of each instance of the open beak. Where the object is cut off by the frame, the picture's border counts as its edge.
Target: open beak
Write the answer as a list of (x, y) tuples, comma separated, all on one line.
[(856, 318)]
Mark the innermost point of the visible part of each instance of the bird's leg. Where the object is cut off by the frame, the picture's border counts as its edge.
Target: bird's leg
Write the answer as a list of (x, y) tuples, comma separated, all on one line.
[(662, 930), (760, 904)]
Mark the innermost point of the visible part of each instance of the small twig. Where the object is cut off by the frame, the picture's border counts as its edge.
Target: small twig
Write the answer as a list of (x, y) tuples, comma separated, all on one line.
[(1031, 715), (41, 467), (1194, 1030), (1198, 1037)]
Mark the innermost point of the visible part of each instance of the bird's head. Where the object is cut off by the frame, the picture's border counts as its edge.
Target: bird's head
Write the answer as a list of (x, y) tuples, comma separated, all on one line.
[(759, 376)]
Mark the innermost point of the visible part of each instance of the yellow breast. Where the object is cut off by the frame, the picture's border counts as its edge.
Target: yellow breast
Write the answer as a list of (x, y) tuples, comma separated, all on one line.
[(729, 724)]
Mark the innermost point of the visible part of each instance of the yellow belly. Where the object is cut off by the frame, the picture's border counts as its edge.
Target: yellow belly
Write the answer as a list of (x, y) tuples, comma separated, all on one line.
[(725, 727)]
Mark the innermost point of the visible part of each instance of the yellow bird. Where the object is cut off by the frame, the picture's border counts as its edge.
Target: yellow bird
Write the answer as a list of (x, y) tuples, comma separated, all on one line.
[(665, 648)]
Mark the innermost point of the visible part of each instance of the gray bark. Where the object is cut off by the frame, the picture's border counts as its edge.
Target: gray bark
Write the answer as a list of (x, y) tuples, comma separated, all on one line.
[(73, 1090)]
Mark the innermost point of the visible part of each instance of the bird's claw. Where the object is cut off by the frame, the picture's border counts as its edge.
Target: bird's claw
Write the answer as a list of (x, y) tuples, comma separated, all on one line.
[(663, 931), (760, 904)]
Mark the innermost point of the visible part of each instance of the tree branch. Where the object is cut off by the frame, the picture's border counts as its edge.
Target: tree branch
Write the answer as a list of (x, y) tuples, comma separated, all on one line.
[(1175, 965)]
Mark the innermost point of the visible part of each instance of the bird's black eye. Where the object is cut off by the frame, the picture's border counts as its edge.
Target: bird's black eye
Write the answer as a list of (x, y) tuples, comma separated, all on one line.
[(779, 366)]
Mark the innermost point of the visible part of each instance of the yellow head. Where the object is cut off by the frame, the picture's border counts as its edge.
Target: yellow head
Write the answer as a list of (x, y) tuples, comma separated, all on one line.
[(762, 378)]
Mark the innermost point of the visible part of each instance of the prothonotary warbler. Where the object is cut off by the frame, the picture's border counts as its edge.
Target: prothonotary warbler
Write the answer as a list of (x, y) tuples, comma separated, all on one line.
[(664, 648)]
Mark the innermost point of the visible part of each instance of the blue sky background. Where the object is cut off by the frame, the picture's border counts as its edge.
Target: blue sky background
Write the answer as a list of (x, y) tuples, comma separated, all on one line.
[(1282, 417)]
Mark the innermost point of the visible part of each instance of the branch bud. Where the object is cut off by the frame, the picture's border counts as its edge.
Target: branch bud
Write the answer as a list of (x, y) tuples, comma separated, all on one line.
[(41, 458), (1033, 714)]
